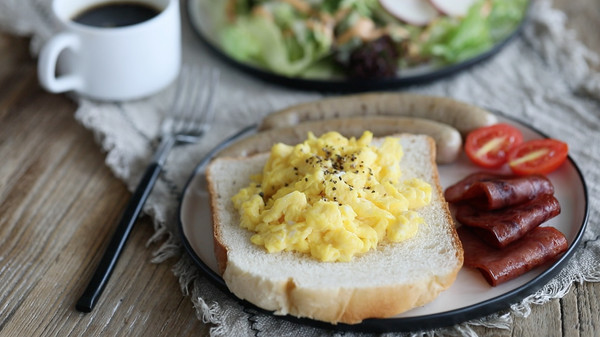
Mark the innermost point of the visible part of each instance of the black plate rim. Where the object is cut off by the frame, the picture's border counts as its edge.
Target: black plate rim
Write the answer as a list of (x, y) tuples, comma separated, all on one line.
[(381, 325), (358, 85)]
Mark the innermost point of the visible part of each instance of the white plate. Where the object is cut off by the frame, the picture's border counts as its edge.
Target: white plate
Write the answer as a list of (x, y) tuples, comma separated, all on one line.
[(469, 297)]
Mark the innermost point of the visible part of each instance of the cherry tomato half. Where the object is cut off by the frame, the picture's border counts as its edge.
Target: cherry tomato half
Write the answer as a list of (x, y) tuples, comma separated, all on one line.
[(488, 146), (537, 156)]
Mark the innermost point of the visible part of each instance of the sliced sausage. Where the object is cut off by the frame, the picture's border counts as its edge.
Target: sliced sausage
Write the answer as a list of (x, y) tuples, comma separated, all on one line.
[(540, 245), (502, 227), (489, 191)]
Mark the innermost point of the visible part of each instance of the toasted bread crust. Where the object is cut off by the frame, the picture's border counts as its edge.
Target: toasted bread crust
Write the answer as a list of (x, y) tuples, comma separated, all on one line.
[(215, 199), (220, 249), (332, 303)]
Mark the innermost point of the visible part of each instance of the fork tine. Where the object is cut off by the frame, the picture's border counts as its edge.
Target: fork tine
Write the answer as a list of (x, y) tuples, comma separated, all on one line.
[(189, 109), (206, 117), (209, 116), (185, 87), (209, 102), (179, 90), (192, 109), (174, 113)]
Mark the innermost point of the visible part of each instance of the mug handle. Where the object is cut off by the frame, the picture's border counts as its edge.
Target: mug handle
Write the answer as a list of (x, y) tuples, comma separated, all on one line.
[(48, 60)]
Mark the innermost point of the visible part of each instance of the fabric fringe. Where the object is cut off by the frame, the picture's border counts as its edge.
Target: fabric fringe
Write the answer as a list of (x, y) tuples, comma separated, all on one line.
[(209, 314), (497, 321), (170, 247), (560, 286), (558, 45), (591, 86), (186, 273), (189, 278), (167, 250)]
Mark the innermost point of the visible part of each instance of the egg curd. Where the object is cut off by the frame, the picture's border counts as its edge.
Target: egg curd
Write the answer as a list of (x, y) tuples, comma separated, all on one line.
[(332, 197)]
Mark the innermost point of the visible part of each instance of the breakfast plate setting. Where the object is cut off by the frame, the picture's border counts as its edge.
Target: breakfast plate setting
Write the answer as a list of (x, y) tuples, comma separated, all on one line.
[(283, 168), (425, 57), (469, 297)]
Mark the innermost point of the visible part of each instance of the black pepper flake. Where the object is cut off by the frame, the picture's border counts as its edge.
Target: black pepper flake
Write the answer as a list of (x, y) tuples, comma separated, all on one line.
[(334, 188), (306, 179), (262, 195)]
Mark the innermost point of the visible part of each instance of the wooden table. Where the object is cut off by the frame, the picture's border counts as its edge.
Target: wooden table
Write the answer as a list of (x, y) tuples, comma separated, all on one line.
[(59, 204)]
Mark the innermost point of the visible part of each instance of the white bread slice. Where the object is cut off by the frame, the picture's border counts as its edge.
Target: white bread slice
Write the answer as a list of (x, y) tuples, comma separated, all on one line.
[(380, 283)]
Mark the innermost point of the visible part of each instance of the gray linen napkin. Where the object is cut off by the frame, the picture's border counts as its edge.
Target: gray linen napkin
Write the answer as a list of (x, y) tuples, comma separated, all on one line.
[(543, 77)]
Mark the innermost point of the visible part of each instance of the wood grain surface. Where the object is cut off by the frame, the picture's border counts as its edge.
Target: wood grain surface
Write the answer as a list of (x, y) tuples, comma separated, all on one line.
[(59, 204)]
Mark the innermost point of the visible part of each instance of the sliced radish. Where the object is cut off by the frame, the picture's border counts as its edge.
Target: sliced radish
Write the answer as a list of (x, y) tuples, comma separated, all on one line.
[(414, 12), (457, 8)]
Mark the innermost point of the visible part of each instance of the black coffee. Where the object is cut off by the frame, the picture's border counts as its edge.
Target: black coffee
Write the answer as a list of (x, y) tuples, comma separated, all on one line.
[(117, 14)]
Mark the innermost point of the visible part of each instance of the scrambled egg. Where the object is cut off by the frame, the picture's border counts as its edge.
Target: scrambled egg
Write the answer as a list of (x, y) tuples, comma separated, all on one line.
[(332, 198)]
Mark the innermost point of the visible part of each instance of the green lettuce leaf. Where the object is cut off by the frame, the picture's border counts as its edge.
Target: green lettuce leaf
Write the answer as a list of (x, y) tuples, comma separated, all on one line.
[(454, 40), (260, 41), (506, 15)]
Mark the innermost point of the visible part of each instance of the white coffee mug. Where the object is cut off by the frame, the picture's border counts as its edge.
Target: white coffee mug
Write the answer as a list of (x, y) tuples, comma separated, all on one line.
[(112, 63)]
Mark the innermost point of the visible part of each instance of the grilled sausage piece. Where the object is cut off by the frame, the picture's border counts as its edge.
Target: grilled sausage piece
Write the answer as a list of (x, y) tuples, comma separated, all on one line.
[(462, 116), (447, 139)]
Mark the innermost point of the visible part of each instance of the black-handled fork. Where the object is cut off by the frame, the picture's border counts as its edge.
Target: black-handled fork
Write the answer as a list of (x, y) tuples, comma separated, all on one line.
[(191, 115)]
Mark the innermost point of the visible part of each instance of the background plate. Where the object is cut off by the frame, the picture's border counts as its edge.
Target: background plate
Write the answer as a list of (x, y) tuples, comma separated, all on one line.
[(469, 297), (203, 26)]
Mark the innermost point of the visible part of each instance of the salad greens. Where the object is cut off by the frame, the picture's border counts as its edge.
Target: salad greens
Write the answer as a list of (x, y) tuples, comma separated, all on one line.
[(310, 38)]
